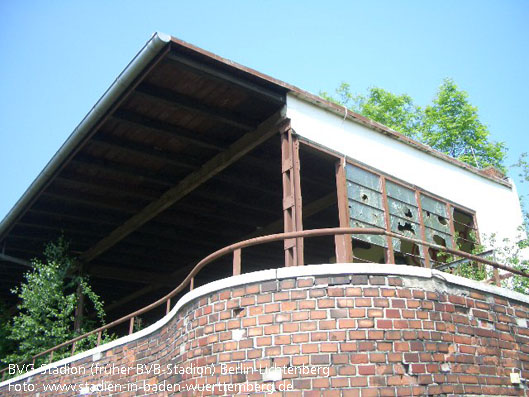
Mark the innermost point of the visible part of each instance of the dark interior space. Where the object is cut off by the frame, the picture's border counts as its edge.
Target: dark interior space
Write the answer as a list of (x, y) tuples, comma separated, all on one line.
[(320, 210)]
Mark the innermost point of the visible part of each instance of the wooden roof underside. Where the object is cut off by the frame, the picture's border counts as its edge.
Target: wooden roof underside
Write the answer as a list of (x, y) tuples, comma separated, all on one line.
[(184, 110)]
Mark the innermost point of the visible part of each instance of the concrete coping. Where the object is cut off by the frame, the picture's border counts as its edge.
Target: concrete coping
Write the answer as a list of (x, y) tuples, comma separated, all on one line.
[(334, 269)]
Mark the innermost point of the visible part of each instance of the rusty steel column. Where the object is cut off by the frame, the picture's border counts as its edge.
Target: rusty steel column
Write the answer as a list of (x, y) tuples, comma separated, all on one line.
[(450, 211), (343, 244), (425, 250), (292, 202), (390, 254)]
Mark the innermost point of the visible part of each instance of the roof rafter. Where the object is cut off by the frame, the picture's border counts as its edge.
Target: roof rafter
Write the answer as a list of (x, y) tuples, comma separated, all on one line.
[(211, 168), (220, 76), (166, 129), (144, 150), (173, 99)]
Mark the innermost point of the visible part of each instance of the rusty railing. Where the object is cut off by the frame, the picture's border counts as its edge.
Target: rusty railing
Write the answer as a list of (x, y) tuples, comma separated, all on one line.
[(235, 250)]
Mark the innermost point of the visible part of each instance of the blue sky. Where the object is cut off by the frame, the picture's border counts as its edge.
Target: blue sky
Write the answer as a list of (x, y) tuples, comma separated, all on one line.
[(58, 57)]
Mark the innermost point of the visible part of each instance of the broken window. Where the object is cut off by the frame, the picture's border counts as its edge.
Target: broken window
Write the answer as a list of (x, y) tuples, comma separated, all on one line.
[(380, 202), (436, 227), (404, 220), (366, 210), (465, 230)]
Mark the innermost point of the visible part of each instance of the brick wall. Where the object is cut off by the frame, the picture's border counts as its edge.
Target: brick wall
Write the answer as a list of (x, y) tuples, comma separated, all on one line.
[(338, 335)]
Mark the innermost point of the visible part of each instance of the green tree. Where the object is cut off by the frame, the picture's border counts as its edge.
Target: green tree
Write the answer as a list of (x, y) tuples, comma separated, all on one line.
[(522, 166), (6, 347), (49, 297), (449, 124), (520, 261), (397, 112)]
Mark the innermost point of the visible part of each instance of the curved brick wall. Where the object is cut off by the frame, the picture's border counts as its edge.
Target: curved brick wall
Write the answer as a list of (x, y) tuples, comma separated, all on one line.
[(328, 330)]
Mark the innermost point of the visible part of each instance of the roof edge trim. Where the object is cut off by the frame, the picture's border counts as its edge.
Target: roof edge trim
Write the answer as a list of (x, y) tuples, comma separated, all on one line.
[(117, 88)]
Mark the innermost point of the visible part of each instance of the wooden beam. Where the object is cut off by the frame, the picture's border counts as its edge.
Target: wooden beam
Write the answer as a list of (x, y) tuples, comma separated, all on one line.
[(176, 100), (51, 233), (12, 259), (168, 130), (114, 168), (211, 168), (117, 188), (73, 215), (224, 77), (292, 206), (177, 159), (93, 201), (141, 174)]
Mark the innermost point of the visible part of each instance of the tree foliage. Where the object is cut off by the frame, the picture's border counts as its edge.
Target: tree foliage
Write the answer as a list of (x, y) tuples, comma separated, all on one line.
[(48, 300), (5, 346), (397, 112), (522, 166), (449, 124)]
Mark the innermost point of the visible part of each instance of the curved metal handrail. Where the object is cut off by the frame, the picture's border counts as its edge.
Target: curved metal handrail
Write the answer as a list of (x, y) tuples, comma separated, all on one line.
[(257, 241)]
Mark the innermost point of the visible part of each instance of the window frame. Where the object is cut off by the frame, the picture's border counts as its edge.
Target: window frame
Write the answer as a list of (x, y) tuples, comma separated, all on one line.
[(450, 206)]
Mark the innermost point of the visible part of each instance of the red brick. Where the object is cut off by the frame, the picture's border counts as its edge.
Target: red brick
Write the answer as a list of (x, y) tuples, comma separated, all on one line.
[(326, 303), (353, 291), (357, 313), (371, 292), (310, 304), (271, 329), (401, 346), (380, 302), (346, 302), (363, 302), (305, 282), (375, 313), (329, 324), (357, 334), (346, 323), (336, 291), (318, 314), (364, 323), (264, 341), (366, 370), (398, 303), (288, 306), (361, 358), (271, 308), (385, 324), (282, 339)]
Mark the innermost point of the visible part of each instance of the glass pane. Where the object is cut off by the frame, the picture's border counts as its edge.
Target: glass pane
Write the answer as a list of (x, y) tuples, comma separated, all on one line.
[(362, 177)]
